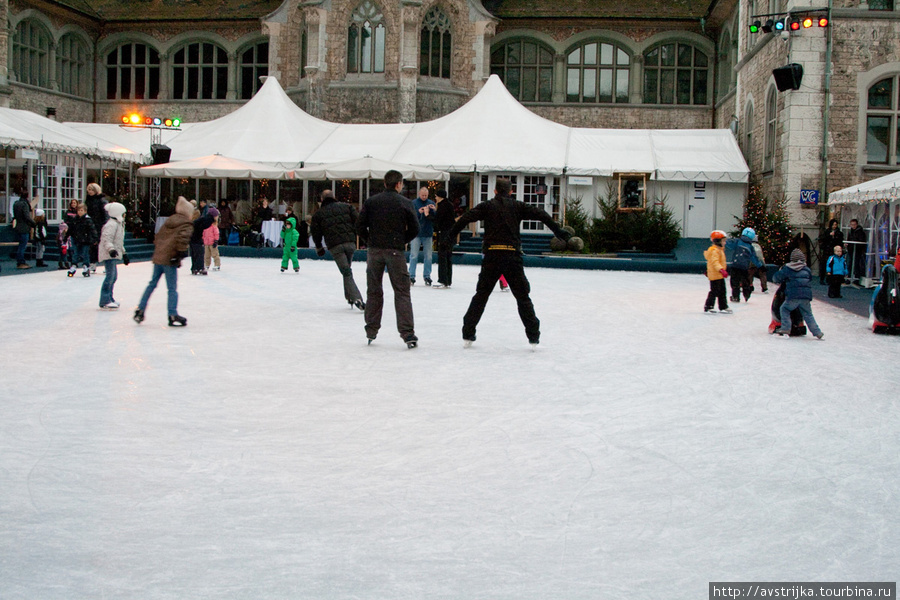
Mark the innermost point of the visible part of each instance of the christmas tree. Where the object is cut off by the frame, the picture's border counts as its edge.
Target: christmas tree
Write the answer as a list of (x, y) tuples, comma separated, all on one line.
[(769, 219)]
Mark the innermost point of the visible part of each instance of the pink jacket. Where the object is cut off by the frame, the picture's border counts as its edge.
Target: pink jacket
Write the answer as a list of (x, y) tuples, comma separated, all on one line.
[(210, 235)]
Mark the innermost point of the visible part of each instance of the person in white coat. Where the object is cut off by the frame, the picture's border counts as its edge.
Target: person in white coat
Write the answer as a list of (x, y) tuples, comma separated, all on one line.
[(110, 248)]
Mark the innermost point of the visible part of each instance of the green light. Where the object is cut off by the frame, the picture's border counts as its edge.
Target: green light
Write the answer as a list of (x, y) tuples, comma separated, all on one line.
[(176, 122), (754, 27)]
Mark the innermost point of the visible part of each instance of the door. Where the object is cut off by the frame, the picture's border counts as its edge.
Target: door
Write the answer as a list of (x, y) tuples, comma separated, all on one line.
[(700, 213)]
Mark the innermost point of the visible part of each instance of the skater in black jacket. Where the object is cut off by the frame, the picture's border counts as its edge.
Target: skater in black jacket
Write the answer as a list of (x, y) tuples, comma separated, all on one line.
[(336, 223), (503, 256), (444, 218)]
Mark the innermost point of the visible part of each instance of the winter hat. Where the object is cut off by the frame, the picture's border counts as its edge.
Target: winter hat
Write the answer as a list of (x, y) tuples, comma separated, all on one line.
[(798, 256), (183, 207), (39, 212), (115, 210), (440, 194), (212, 212)]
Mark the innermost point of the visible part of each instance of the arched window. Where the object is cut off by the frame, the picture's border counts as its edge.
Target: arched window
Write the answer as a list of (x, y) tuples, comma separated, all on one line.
[(304, 51), (365, 40), (726, 65), (771, 121), (882, 122), (31, 53), (597, 72), (200, 72), (254, 64), (436, 45), (748, 135), (526, 67), (675, 73), (132, 73), (72, 66)]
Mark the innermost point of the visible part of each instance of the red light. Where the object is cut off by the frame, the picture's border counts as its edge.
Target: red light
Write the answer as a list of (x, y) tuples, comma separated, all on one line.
[(126, 120), (795, 25), (807, 23), (823, 22)]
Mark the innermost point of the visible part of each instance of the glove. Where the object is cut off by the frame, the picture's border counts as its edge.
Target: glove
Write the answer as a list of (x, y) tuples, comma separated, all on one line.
[(175, 261), (293, 248), (724, 273), (113, 253), (320, 251), (125, 259), (215, 244)]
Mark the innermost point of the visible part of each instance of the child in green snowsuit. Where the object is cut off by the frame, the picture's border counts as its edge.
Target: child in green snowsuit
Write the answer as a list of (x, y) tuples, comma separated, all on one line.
[(289, 237)]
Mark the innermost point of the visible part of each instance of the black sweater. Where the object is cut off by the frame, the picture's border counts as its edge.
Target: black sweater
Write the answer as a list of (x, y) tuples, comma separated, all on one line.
[(336, 222), (502, 216), (387, 221)]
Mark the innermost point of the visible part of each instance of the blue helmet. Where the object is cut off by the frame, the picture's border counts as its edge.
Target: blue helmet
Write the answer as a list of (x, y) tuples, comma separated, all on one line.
[(749, 233)]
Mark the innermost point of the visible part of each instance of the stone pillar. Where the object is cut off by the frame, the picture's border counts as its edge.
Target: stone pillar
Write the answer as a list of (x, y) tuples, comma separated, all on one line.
[(484, 37), (560, 81), (316, 67), (411, 17), (233, 75), (636, 84), (164, 76)]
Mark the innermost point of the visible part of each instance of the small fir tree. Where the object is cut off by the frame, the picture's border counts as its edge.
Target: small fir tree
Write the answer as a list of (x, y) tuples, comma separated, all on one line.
[(769, 219)]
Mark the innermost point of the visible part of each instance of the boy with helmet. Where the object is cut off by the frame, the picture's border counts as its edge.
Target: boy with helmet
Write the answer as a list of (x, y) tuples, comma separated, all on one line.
[(715, 271), (744, 256)]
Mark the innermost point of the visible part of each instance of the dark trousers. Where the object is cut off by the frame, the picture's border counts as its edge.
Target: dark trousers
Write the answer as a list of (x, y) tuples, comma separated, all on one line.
[(343, 258), (378, 261), (834, 285), (22, 238), (716, 291), (509, 264), (740, 281), (445, 263), (197, 252)]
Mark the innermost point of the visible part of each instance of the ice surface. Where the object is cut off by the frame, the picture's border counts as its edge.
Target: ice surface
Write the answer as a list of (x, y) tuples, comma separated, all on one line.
[(265, 451)]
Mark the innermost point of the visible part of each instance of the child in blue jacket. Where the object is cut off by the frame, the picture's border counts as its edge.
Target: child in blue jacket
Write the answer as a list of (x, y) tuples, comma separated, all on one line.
[(836, 271), (744, 256), (797, 294)]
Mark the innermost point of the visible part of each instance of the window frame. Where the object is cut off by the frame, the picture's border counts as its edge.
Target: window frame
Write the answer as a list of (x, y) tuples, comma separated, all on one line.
[(149, 70), (73, 65), (31, 57), (436, 22), (256, 68), (582, 66), (198, 78), (540, 68), (771, 130), (660, 69), (367, 16)]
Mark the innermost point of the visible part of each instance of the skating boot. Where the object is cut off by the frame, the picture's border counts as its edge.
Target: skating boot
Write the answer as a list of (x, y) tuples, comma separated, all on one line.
[(411, 342), (177, 321), (71, 272), (86, 272), (138, 315)]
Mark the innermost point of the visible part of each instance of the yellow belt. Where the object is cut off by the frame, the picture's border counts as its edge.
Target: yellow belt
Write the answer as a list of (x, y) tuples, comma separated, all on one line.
[(503, 247)]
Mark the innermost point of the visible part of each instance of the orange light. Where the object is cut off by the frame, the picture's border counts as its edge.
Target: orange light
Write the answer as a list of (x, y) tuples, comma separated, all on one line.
[(135, 118), (807, 23), (168, 122), (823, 22), (126, 119)]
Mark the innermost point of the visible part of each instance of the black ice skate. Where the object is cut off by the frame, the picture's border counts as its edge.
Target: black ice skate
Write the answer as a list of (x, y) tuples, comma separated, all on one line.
[(177, 321)]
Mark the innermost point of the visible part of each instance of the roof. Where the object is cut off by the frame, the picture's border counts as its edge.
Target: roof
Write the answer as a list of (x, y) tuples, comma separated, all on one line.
[(173, 10), (600, 9), (882, 189)]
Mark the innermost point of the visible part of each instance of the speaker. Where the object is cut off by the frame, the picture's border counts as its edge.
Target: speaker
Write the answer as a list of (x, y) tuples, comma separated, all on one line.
[(788, 77), (160, 153)]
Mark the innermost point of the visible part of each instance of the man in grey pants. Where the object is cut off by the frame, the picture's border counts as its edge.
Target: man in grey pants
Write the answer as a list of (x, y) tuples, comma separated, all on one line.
[(336, 222), (387, 223)]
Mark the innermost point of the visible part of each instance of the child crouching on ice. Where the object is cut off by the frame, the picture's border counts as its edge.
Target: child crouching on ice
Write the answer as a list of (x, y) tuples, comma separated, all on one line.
[(797, 293), (716, 272), (290, 236)]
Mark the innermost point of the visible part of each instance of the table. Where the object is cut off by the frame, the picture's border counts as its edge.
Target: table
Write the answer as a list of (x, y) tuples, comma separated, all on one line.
[(271, 231)]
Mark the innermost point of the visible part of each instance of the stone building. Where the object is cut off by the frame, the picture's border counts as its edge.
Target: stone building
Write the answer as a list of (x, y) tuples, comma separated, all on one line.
[(587, 63)]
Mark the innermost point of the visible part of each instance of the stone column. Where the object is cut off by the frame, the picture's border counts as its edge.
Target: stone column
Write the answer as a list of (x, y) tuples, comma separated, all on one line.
[(164, 76), (484, 37), (233, 75), (636, 83), (411, 17), (560, 80), (316, 68)]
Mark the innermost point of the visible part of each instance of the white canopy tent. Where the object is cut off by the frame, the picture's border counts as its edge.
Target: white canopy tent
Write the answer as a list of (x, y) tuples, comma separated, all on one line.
[(602, 152), (884, 188), (135, 139), (368, 168), (697, 155), (214, 166)]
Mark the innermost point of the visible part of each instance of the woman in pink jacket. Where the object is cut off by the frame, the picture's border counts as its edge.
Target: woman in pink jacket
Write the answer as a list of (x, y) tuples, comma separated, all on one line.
[(211, 240)]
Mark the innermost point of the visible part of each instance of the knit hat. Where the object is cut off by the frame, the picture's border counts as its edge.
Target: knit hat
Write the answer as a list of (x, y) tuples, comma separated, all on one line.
[(798, 256), (440, 194), (115, 210), (39, 212), (212, 212)]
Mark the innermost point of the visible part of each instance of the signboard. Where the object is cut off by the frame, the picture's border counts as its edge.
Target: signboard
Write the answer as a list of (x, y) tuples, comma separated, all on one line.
[(578, 180), (29, 153), (809, 197)]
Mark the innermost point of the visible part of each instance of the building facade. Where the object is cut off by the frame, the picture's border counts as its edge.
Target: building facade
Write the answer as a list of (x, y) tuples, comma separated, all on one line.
[(585, 63)]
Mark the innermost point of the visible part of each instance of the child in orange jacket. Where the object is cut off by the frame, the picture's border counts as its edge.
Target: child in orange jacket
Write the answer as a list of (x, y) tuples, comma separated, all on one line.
[(715, 271)]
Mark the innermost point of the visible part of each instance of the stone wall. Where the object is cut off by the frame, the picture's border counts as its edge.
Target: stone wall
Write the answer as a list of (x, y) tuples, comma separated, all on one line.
[(36, 100), (627, 116)]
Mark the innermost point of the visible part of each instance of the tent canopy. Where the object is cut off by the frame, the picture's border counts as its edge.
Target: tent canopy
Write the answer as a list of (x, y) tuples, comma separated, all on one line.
[(698, 155), (368, 168), (25, 129), (882, 189), (135, 139), (214, 166)]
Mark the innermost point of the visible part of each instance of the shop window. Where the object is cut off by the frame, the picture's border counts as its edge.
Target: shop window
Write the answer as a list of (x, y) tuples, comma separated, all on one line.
[(676, 73), (254, 64), (200, 72), (436, 45), (526, 68), (597, 72), (632, 191), (365, 40), (31, 54), (132, 73)]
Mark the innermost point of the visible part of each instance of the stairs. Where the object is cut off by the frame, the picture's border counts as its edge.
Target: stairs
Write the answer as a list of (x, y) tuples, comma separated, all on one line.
[(532, 243), (137, 249)]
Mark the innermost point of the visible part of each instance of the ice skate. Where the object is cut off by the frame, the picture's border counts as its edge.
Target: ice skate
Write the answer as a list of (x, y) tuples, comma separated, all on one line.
[(138, 315), (297, 270), (411, 342), (110, 305), (468, 343), (726, 311), (71, 272), (428, 282), (533, 345), (177, 321), (709, 310), (86, 272), (439, 286), (360, 305), (283, 269)]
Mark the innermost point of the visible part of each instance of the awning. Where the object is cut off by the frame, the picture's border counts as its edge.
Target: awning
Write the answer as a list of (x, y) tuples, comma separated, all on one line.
[(214, 166)]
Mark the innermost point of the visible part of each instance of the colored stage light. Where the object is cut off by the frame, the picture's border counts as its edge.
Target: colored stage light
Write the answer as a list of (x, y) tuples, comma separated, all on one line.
[(135, 118), (754, 27), (779, 25), (823, 21), (794, 25), (807, 23)]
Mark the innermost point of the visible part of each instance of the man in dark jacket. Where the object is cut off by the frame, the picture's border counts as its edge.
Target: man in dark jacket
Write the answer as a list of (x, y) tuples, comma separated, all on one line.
[(386, 224), (502, 256), (336, 222), (797, 294), (96, 209), (444, 218), (857, 250), (24, 225)]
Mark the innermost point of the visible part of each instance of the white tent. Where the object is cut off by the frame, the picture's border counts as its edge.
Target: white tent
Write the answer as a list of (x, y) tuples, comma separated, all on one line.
[(269, 128), (602, 152), (491, 132), (698, 155), (136, 139), (25, 129), (368, 168), (214, 166), (350, 141), (882, 189)]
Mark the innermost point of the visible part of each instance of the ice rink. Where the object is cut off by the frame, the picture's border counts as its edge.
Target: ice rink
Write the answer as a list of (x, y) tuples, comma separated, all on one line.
[(265, 451)]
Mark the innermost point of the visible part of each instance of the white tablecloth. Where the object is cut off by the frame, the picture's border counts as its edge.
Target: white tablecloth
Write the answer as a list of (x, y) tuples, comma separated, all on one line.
[(271, 231)]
